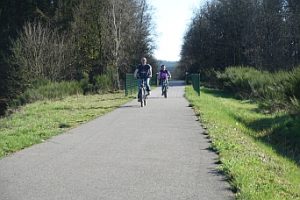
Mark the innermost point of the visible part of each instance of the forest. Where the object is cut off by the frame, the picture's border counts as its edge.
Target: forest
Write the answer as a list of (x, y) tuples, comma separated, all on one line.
[(93, 42), (249, 47)]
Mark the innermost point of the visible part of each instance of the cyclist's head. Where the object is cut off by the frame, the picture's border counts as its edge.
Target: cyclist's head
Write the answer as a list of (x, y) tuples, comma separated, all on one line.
[(143, 60), (163, 67)]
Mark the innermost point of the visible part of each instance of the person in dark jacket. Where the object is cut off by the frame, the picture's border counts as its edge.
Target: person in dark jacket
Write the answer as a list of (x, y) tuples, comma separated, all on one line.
[(144, 72)]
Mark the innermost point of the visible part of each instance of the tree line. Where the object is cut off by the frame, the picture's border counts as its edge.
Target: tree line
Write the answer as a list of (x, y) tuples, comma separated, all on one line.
[(248, 47), (61, 40), (264, 34)]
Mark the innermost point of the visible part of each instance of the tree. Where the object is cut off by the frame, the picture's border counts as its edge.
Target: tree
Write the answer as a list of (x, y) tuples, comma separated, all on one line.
[(13, 14), (292, 30), (42, 53), (110, 34), (260, 33)]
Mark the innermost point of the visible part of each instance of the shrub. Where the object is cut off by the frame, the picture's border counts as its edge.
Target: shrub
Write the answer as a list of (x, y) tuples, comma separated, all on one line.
[(103, 83), (276, 90), (85, 85), (44, 89)]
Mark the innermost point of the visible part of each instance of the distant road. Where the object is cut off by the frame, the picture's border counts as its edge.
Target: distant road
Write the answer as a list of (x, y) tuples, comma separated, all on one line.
[(153, 153)]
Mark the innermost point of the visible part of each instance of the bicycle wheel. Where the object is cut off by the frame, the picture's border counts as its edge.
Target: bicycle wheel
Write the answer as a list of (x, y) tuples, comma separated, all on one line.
[(142, 97), (165, 91), (145, 98)]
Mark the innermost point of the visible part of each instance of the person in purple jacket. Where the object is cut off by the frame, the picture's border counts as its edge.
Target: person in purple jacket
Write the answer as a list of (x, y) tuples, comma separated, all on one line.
[(163, 75)]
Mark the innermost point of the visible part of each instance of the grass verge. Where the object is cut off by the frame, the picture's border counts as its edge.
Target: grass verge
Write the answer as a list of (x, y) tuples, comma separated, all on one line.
[(255, 166), (41, 120)]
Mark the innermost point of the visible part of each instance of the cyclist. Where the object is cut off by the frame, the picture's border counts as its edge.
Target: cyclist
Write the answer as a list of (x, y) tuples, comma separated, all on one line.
[(163, 75), (144, 72)]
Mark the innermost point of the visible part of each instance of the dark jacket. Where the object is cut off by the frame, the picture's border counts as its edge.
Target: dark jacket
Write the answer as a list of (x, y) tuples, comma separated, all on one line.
[(144, 71)]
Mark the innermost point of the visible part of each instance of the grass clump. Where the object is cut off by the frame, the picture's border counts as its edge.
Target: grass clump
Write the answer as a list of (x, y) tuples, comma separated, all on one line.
[(254, 148)]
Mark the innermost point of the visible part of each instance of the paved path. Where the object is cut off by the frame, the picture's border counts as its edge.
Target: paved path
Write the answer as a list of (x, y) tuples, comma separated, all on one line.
[(157, 152)]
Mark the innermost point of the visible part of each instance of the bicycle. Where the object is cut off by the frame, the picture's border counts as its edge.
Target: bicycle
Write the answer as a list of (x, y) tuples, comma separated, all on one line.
[(165, 88), (142, 93)]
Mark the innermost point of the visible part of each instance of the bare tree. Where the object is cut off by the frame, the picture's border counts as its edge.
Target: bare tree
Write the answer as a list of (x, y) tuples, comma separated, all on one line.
[(42, 53)]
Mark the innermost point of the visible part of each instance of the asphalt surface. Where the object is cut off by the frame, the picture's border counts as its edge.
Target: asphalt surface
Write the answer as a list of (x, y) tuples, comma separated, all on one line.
[(157, 152)]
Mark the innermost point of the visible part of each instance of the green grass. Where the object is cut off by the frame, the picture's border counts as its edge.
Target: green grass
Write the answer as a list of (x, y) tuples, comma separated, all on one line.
[(256, 164), (41, 120)]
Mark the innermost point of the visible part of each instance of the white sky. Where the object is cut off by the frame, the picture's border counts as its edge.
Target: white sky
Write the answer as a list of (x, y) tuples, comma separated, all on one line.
[(172, 18)]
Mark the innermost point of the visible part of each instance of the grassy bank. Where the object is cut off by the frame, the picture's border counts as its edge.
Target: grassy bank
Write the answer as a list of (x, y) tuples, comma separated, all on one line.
[(38, 121), (251, 146)]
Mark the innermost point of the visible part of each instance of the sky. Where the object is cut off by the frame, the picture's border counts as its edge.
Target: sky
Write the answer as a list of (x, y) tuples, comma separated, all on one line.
[(171, 18)]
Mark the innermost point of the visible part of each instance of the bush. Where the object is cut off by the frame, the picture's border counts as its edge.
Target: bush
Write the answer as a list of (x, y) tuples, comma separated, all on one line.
[(44, 89), (85, 85), (209, 78), (243, 81), (58, 90), (276, 90), (103, 83), (295, 83)]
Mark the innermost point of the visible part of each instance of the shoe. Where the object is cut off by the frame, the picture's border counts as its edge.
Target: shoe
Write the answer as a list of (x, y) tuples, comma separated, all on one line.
[(149, 92)]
